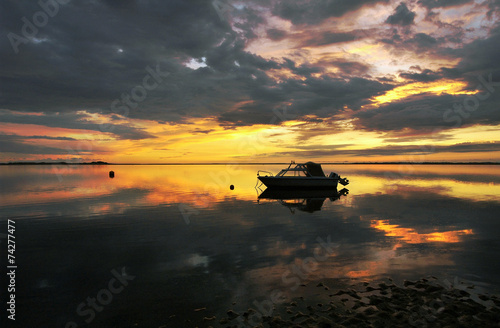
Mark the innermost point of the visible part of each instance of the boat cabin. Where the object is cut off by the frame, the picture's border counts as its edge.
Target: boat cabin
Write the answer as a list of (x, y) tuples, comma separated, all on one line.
[(308, 169)]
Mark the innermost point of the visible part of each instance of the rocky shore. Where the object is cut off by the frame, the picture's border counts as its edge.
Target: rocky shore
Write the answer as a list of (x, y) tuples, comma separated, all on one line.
[(423, 303)]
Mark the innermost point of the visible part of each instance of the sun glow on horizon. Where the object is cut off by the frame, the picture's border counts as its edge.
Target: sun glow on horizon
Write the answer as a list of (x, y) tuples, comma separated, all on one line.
[(332, 68)]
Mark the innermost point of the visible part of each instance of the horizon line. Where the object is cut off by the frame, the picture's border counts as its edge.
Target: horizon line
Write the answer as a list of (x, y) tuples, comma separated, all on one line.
[(252, 163)]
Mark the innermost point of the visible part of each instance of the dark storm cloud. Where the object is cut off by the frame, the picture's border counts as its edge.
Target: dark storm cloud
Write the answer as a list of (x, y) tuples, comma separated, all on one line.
[(315, 11), (207, 131), (417, 43), (304, 69), (346, 67), (493, 6), (443, 3), (276, 34), (90, 53), (16, 144), (328, 38), (428, 112), (421, 42), (478, 66), (389, 150), (392, 37), (456, 31), (425, 76), (351, 67), (49, 138), (323, 97), (402, 16), (477, 58), (77, 121)]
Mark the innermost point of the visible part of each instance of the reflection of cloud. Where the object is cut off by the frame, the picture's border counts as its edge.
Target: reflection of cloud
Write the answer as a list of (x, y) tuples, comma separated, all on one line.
[(411, 236), (198, 186), (247, 247), (383, 260), (198, 260)]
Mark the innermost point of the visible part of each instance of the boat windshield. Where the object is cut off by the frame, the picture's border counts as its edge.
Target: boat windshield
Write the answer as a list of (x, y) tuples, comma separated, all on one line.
[(308, 169), (293, 173)]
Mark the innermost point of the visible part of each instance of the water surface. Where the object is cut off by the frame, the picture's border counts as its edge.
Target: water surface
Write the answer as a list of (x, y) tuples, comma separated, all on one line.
[(188, 247)]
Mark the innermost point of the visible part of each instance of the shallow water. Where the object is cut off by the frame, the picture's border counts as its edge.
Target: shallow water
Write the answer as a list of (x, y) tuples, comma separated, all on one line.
[(160, 245)]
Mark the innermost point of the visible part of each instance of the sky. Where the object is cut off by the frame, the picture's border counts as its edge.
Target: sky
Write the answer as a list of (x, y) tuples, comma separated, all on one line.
[(203, 81)]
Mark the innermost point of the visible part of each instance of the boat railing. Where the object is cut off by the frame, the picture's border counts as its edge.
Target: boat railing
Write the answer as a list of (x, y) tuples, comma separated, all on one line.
[(268, 174)]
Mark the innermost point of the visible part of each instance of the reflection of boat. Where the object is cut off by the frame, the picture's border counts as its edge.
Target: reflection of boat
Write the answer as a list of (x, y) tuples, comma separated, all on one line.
[(309, 200), (308, 175)]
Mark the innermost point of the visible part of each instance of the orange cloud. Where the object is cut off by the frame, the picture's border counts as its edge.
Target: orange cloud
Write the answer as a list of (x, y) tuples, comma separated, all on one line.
[(411, 236)]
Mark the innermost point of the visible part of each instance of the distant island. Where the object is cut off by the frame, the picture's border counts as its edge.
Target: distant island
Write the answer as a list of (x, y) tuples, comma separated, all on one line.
[(58, 163)]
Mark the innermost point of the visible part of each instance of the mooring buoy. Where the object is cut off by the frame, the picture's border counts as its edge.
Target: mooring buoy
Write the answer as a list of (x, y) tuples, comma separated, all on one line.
[(111, 174)]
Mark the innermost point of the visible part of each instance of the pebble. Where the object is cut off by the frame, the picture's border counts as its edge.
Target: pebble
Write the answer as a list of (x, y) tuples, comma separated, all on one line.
[(232, 314)]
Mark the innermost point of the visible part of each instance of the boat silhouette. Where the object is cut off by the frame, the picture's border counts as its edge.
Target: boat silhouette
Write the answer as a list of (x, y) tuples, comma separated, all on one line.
[(308, 175)]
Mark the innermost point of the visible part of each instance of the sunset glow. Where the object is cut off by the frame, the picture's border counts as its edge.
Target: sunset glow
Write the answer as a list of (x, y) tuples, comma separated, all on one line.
[(410, 236), (256, 81)]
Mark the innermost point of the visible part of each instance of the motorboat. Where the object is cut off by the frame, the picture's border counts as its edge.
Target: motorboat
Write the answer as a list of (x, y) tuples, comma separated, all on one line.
[(306, 175)]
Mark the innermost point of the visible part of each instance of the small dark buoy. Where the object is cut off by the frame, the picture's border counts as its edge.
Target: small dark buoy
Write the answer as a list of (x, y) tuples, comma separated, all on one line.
[(231, 187), (111, 174)]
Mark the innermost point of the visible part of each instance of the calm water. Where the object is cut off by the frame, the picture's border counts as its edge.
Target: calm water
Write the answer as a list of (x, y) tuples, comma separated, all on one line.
[(156, 245)]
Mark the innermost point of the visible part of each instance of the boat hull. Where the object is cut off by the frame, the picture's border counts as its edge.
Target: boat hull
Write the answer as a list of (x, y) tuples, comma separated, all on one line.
[(299, 182), (299, 193)]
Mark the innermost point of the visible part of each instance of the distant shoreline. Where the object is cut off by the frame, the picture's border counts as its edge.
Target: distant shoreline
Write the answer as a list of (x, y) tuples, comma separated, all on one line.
[(283, 163)]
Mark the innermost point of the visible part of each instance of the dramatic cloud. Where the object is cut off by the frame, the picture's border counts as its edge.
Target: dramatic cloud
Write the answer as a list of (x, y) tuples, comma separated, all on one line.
[(75, 121), (134, 70), (312, 12), (402, 16), (319, 151), (425, 76), (429, 113), (442, 3), (16, 144), (323, 97), (276, 34), (327, 38), (479, 57)]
